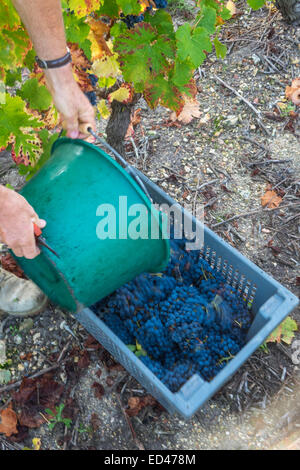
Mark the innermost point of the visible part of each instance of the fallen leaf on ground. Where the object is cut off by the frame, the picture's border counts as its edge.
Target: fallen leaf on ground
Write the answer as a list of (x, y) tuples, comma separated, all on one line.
[(34, 396), (293, 92), (8, 422), (84, 360), (95, 422), (230, 5), (284, 332), (189, 111), (270, 199), (99, 390)]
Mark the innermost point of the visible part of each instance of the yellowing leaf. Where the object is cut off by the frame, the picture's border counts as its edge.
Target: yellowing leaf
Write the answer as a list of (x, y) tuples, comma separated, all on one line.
[(284, 332), (103, 109), (99, 47), (230, 5), (106, 67), (189, 111), (83, 7), (123, 94), (36, 442), (270, 199)]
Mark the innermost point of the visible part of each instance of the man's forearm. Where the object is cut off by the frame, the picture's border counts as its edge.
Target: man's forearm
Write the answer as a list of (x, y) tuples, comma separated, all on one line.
[(44, 23)]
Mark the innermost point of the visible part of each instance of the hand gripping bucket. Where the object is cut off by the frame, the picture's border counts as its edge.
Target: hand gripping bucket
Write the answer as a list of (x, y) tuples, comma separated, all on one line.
[(99, 221)]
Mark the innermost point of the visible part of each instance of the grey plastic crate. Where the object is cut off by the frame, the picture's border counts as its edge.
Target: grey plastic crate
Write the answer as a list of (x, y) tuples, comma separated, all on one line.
[(271, 303)]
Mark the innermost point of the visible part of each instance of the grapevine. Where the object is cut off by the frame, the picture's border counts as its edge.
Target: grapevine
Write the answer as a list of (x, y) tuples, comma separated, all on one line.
[(113, 43), (188, 320)]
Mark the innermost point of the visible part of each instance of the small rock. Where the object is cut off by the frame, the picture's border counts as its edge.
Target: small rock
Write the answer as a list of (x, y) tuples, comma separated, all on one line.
[(26, 324), (18, 339), (21, 367), (231, 120), (36, 337)]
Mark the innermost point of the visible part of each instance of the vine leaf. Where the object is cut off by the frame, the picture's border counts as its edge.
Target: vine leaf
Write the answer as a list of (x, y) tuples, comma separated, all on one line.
[(83, 7), (221, 49), (293, 92), (189, 111), (18, 124), (130, 7), (8, 423), (161, 90), (256, 4), (103, 109), (284, 332), (38, 97), (98, 32), (270, 199), (123, 94), (192, 44), (77, 31)]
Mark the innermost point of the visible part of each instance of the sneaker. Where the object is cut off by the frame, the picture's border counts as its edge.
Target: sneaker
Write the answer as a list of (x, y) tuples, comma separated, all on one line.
[(20, 297)]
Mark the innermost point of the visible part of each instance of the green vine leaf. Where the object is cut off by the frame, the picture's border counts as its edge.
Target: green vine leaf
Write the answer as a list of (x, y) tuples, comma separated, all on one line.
[(192, 44), (17, 123), (221, 49), (37, 96), (130, 7), (256, 4)]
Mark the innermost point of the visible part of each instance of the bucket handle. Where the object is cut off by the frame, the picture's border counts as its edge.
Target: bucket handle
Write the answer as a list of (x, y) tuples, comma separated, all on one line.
[(129, 168)]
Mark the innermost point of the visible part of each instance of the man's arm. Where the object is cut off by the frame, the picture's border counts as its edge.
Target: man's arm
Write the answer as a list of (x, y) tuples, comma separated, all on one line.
[(44, 23)]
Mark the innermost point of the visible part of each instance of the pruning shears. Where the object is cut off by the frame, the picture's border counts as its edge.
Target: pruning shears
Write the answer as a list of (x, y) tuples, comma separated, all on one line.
[(41, 240)]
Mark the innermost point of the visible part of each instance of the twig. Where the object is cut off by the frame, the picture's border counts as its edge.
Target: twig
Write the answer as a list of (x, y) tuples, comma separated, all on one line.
[(246, 214), (33, 376), (175, 172), (250, 105), (255, 142), (129, 423), (135, 148), (268, 162)]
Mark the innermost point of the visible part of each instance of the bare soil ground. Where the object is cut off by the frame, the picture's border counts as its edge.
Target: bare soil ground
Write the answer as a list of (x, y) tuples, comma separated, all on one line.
[(224, 160)]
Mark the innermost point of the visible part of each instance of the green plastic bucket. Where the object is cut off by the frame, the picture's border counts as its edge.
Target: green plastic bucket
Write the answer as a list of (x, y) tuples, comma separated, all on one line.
[(75, 191)]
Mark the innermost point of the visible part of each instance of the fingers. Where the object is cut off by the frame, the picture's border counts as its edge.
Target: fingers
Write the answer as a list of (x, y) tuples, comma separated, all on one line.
[(71, 125), (39, 222)]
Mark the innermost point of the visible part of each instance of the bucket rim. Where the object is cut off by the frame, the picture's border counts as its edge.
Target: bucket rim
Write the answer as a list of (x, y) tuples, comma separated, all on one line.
[(68, 140)]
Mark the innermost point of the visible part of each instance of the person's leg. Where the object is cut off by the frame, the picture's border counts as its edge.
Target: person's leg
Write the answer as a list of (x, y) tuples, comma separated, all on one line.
[(20, 297)]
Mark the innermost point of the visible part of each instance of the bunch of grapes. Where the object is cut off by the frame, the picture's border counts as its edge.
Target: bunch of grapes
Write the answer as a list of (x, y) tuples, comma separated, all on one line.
[(91, 95), (131, 20), (188, 319)]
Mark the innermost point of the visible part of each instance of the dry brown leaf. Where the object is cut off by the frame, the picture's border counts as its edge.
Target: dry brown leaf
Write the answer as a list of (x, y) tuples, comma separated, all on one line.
[(293, 92), (9, 420), (189, 111), (270, 199), (230, 5)]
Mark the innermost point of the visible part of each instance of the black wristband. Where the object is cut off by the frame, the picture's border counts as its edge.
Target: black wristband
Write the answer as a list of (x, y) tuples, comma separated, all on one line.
[(53, 64)]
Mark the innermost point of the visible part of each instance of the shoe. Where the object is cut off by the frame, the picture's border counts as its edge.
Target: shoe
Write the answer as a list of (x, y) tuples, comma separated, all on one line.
[(20, 297)]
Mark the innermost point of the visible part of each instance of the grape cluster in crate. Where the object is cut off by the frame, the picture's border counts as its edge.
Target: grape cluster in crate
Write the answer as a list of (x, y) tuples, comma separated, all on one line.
[(187, 319)]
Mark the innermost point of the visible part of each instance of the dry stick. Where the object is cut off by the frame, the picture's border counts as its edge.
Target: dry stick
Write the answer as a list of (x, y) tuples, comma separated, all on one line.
[(36, 374), (245, 214), (254, 142), (250, 105), (128, 421), (33, 376)]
